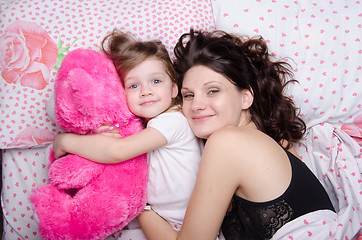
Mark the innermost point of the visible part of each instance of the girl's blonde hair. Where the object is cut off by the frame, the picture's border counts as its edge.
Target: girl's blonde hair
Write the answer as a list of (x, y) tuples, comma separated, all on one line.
[(127, 52)]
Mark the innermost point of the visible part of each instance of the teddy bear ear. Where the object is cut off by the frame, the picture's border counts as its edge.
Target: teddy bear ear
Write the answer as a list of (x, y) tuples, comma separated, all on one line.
[(84, 91), (75, 94)]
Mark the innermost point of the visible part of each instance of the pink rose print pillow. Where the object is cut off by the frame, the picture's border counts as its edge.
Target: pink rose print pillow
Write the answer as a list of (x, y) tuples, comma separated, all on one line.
[(29, 56), (32, 35)]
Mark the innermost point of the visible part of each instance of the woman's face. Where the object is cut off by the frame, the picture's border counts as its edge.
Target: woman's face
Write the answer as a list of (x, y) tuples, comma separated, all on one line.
[(211, 101)]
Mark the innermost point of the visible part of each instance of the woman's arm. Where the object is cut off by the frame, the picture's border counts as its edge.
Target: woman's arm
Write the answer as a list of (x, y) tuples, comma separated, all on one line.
[(105, 149), (216, 183)]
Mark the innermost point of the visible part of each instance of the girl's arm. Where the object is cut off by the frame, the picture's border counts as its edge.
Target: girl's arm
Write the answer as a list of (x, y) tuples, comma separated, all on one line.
[(105, 149), (155, 227), (216, 183)]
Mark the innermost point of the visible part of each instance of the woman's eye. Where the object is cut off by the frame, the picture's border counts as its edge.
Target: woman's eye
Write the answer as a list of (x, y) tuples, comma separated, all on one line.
[(187, 95), (213, 91)]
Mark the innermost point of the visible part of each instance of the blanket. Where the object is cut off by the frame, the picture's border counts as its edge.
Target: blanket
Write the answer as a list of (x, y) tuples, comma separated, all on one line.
[(335, 158)]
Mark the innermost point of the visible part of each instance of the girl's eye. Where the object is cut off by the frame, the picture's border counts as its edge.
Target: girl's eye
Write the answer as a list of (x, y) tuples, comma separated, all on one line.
[(156, 81), (133, 86)]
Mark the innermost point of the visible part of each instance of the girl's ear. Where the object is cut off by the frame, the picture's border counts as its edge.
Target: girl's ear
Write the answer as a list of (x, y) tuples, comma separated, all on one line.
[(248, 98), (174, 90)]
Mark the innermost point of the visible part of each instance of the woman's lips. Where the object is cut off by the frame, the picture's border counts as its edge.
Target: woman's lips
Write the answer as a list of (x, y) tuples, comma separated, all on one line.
[(201, 118)]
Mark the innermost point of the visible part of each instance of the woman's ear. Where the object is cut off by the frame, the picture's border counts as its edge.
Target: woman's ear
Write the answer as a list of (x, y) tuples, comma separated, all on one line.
[(248, 98), (174, 90)]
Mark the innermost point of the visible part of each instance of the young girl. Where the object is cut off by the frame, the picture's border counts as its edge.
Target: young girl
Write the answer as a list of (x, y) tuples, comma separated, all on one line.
[(152, 93), (249, 182)]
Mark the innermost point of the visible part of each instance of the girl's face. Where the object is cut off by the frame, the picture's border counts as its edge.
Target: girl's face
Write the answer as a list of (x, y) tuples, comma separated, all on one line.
[(149, 90), (211, 101)]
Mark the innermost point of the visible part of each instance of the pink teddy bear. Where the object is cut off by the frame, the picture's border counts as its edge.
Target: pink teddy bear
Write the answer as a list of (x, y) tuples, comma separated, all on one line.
[(85, 199)]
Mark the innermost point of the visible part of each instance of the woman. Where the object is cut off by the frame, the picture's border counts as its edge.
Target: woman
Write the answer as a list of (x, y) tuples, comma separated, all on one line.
[(250, 182)]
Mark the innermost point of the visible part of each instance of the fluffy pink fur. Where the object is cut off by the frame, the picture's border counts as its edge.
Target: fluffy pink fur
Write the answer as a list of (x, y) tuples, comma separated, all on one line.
[(84, 199)]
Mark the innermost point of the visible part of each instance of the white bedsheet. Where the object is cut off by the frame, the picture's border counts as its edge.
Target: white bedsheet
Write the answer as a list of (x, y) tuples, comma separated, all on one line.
[(22, 170), (331, 154), (336, 160)]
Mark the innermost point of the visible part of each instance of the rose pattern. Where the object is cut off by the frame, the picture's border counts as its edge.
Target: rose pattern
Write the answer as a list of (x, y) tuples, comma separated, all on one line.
[(32, 137), (354, 129), (28, 55)]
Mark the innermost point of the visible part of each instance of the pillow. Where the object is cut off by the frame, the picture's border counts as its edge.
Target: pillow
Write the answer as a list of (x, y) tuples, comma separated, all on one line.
[(35, 36), (323, 42)]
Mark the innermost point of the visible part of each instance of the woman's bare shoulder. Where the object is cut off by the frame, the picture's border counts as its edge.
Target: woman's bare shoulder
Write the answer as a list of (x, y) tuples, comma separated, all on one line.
[(232, 143), (241, 144), (236, 135)]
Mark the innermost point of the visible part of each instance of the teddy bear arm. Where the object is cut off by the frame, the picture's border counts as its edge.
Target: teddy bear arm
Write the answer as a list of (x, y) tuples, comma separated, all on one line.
[(73, 171)]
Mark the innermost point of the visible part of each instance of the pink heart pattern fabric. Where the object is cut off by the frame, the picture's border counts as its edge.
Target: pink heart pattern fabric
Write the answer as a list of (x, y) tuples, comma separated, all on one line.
[(34, 35)]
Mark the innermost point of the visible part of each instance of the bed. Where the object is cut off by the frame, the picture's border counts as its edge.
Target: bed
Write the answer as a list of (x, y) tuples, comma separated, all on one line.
[(320, 39)]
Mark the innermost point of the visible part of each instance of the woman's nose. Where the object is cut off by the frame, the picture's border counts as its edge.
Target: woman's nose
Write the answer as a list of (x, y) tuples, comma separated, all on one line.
[(198, 103)]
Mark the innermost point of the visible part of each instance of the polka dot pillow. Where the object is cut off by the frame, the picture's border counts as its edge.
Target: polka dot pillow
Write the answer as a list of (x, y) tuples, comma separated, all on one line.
[(36, 35), (323, 42)]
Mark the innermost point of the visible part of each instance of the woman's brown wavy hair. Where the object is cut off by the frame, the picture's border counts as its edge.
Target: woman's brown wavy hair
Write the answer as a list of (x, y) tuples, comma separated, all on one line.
[(248, 65)]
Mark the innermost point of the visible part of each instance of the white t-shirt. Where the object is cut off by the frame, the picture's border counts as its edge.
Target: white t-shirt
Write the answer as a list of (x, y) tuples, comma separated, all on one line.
[(173, 167)]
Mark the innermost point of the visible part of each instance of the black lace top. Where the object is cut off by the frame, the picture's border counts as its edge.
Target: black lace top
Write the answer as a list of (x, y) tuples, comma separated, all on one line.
[(251, 220)]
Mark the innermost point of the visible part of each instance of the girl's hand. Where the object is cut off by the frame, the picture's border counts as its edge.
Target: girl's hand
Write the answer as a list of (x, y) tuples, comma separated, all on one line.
[(102, 148), (58, 146), (112, 134)]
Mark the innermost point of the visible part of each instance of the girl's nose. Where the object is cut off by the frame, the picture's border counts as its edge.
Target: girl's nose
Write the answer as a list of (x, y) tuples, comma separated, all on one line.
[(146, 91)]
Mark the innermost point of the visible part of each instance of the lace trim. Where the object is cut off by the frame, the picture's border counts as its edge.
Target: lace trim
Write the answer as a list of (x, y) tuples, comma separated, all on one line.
[(255, 222), (275, 216)]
